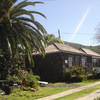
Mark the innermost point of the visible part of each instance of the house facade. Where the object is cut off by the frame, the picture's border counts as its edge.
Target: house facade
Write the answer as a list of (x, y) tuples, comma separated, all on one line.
[(58, 58), (95, 56)]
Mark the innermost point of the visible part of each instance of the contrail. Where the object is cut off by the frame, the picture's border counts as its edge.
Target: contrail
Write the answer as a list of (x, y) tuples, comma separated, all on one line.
[(80, 24)]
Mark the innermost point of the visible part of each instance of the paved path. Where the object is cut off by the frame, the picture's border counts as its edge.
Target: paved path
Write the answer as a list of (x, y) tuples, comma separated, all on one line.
[(58, 95), (91, 96)]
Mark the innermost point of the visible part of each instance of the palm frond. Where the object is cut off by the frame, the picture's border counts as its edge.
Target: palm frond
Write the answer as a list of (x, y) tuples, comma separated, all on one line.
[(37, 24), (40, 27), (25, 3), (35, 12), (20, 13), (19, 29)]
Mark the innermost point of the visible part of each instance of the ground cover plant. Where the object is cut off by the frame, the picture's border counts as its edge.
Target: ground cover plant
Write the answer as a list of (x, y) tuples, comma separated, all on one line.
[(42, 92)]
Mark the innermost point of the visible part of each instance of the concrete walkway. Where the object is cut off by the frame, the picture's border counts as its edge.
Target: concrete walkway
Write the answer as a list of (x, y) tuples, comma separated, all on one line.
[(91, 96), (58, 95)]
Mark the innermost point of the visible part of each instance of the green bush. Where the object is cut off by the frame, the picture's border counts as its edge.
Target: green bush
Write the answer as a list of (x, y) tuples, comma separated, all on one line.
[(11, 79), (24, 78), (94, 75), (67, 75), (32, 80), (76, 79), (79, 78), (77, 70), (74, 74), (25, 88), (85, 78)]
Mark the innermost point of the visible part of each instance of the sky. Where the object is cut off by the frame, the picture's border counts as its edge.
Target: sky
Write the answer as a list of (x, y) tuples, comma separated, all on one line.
[(77, 20)]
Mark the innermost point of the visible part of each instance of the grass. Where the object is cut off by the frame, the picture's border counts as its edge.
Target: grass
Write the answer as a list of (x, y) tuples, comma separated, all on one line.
[(27, 95), (42, 92), (82, 93), (79, 83), (87, 82)]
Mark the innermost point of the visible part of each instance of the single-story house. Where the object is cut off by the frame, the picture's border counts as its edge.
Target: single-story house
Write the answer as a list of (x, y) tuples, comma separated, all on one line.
[(95, 56), (59, 57)]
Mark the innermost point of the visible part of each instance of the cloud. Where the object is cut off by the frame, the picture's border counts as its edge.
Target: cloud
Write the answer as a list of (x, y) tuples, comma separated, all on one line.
[(80, 24)]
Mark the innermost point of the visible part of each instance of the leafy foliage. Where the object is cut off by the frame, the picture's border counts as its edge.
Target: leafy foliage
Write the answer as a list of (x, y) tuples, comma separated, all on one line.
[(67, 75), (20, 33), (77, 70), (24, 78), (74, 74), (50, 39), (94, 75)]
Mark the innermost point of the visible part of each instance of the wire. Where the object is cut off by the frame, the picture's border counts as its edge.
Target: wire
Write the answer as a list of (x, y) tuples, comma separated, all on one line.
[(77, 34)]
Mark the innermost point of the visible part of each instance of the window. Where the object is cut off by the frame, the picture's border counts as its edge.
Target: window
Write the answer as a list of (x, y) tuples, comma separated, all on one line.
[(94, 62), (77, 60), (70, 61), (83, 61)]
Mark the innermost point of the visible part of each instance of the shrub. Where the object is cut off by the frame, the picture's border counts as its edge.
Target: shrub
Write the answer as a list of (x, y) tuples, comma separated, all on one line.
[(25, 88), (24, 78), (78, 74), (31, 80), (77, 70), (67, 75), (78, 78), (11, 79), (85, 78), (74, 74), (94, 75), (97, 76)]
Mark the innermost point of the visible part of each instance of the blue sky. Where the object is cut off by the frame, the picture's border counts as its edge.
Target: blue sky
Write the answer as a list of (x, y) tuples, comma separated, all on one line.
[(76, 19)]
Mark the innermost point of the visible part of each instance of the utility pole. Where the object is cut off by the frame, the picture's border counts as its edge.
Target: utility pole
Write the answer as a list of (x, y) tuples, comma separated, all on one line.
[(59, 35)]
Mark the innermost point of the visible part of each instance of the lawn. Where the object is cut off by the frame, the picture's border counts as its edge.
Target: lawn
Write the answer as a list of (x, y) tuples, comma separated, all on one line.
[(87, 82), (42, 92), (80, 93), (78, 83)]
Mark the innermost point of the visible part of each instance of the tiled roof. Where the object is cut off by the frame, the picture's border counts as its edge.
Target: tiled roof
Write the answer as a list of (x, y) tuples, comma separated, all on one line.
[(90, 52), (57, 47)]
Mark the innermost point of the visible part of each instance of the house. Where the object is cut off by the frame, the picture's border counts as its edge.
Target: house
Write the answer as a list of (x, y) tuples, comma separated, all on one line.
[(94, 56), (58, 58)]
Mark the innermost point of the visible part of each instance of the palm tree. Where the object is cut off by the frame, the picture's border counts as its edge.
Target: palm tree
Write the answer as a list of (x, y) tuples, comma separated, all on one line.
[(18, 31)]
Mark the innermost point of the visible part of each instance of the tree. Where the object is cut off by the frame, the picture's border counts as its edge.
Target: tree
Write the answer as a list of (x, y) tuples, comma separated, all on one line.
[(50, 39), (19, 34)]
